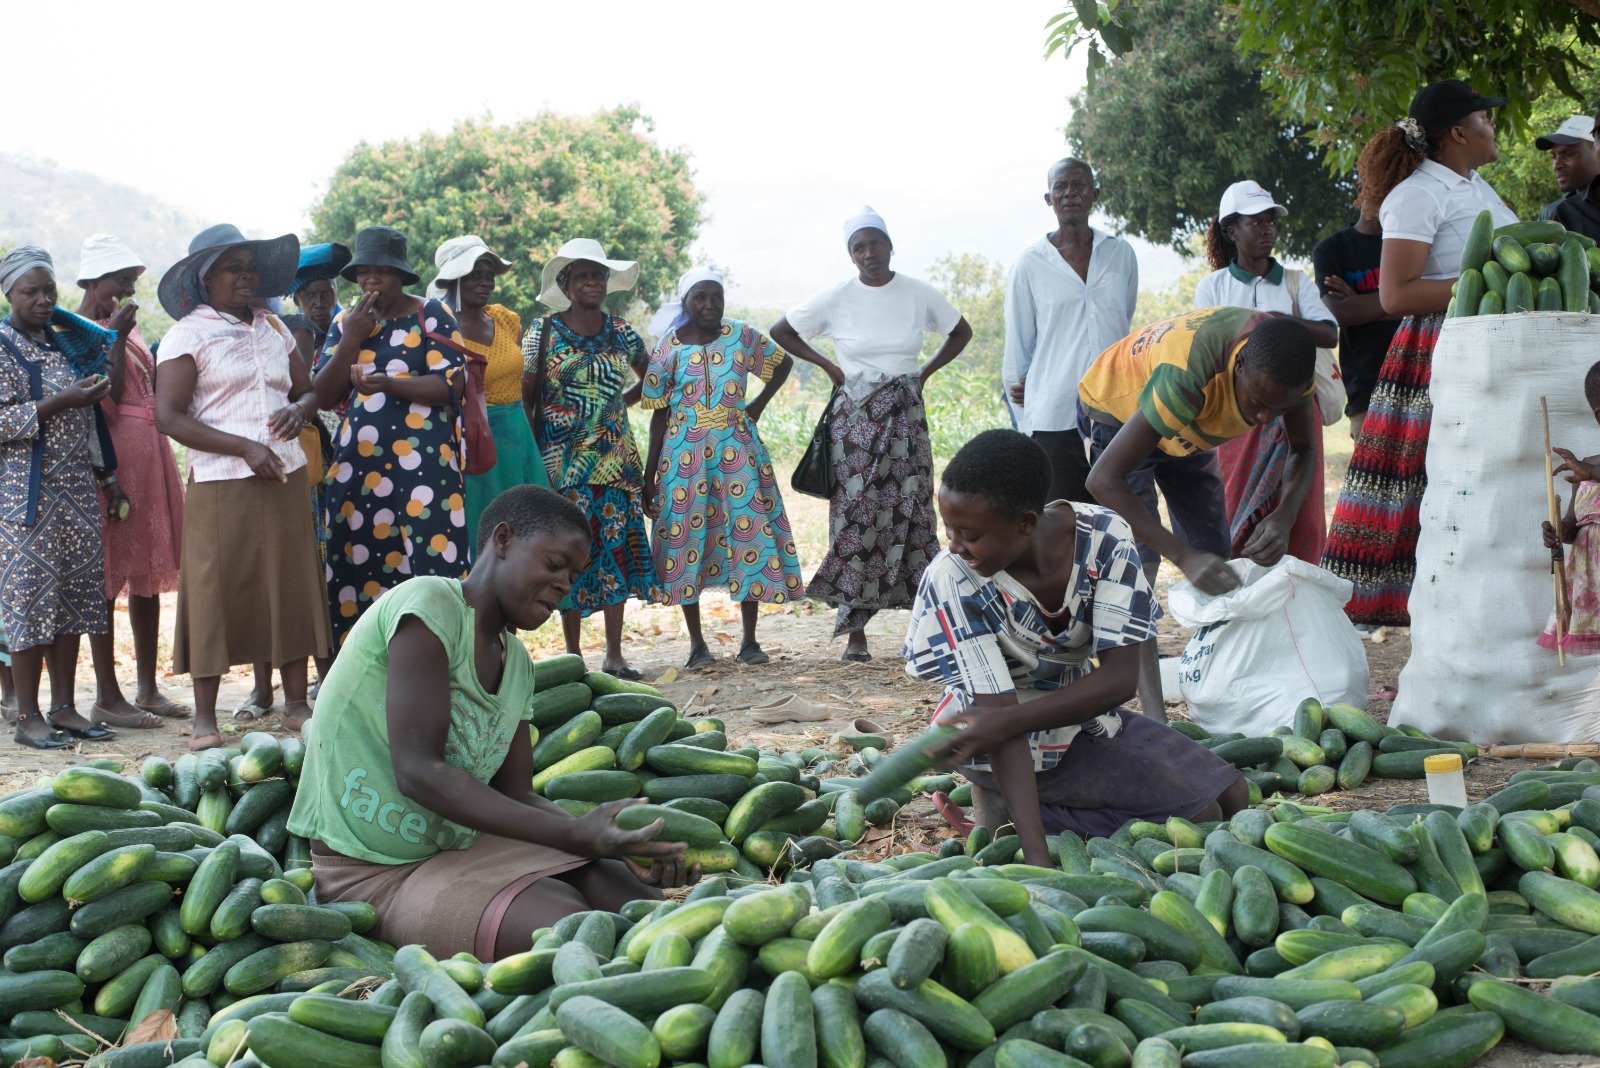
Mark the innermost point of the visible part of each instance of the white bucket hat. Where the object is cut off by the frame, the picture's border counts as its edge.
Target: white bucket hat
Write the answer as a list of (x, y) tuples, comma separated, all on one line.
[(456, 259), (624, 273), (105, 254), (1248, 198)]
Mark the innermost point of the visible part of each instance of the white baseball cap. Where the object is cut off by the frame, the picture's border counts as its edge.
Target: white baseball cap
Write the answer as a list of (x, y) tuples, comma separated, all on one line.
[(1574, 131), (1248, 198)]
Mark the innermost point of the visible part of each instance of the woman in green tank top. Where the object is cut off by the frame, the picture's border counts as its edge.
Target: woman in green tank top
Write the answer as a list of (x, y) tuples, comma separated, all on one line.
[(416, 792)]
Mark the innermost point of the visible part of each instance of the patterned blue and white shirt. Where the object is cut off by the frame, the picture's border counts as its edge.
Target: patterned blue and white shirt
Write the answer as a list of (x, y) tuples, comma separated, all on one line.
[(991, 636)]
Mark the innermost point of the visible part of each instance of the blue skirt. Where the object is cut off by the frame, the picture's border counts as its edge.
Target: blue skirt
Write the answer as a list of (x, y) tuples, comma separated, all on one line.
[(620, 565), (517, 463)]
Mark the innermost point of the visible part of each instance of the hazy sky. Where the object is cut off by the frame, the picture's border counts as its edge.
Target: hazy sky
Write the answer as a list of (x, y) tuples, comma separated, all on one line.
[(941, 115)]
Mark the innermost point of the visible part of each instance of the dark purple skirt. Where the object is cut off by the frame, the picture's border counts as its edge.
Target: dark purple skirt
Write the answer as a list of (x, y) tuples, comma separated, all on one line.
[(1148, 771)]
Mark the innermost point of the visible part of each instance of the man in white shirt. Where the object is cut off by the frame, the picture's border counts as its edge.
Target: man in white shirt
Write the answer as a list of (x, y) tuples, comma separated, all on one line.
[(1069, 297)]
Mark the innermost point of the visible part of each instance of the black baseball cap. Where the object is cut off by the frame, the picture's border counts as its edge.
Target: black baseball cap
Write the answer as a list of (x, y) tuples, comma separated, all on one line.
[(1443, 104)]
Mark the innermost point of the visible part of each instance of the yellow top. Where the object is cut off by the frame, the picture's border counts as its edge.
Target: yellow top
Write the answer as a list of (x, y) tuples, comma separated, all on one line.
[(502, 379), (1179, 373), (1441, 762)]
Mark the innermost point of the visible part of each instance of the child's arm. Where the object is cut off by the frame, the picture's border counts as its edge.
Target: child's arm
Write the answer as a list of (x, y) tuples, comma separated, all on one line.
[(1012, 764)]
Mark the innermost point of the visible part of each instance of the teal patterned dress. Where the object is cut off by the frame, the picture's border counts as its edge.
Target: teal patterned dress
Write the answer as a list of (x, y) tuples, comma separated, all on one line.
[(722, 521)]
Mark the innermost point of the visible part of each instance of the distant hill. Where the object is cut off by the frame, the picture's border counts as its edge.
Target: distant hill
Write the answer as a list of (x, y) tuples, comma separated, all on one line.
[(49, 205)]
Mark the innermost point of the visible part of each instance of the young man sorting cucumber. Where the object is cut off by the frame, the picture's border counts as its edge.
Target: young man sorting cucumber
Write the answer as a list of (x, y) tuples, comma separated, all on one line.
[(1155, 405), (1033, 617), (416, 790)]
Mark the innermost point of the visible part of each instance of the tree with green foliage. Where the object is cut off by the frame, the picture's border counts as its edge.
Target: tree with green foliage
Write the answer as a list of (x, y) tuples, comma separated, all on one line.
[(1341, 70), (525, 188), (1180, 116), (976, 285)]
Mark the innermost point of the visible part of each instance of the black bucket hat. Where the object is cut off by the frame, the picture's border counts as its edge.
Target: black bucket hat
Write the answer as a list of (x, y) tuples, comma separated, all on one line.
[(381, 246)]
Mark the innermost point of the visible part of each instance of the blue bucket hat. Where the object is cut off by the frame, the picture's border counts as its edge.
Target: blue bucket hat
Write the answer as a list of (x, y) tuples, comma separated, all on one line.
[(277, 259)]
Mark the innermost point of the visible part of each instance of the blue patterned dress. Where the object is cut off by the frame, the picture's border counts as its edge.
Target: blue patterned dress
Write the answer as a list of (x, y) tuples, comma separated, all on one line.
[(52, 563), (722, 521), (590, 455)]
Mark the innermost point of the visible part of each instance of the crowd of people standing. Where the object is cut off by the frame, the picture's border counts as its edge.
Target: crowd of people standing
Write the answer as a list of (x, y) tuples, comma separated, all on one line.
[(332, 453)]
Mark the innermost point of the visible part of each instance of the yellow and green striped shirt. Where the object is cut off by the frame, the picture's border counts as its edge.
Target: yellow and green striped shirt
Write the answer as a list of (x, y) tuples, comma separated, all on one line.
[(1179, 373)]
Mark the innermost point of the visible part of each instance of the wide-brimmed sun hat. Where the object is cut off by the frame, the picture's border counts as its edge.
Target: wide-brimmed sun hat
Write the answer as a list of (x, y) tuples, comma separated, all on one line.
[(457, 258), (380, 246), (105, 254), (277, 258), (624, 273)]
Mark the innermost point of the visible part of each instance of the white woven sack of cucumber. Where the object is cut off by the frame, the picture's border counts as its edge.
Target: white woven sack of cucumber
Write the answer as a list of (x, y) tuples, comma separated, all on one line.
[(1483, 591)]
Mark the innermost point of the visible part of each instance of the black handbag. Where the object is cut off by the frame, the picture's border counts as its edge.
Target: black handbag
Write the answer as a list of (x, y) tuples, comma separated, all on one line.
[(813, 475)]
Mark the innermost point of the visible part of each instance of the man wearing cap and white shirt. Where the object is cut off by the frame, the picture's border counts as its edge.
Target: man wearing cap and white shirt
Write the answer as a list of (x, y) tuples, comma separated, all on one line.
[(1573, 159), (1069, 297), (1576, 161)]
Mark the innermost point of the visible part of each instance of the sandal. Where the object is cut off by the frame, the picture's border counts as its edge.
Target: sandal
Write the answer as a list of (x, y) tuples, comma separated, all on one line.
[(700, 658), (249, 712), (953, 813), (165, 707), (626, 673), (208, 740), (91, 733), (751, 653), (142, 720), (294, 724), (855, 658)]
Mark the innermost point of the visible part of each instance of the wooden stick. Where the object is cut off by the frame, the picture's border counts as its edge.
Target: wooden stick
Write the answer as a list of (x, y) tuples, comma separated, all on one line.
[(1558, 563), (1544, 750)]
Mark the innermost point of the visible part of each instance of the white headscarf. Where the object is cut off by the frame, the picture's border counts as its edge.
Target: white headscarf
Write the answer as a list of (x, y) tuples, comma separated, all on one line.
[(860, 221), (672, 314)]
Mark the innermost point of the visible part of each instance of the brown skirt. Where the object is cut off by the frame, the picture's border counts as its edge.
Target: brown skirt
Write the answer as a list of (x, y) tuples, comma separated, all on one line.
[(251, 588), (452, 902)]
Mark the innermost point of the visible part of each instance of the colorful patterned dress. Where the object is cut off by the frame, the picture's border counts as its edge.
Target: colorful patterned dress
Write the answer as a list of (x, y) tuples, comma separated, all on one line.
[(722, 521), (1581, 631), (52, 563), (517, 460), (396, 504), (143, 550), (590, 456)]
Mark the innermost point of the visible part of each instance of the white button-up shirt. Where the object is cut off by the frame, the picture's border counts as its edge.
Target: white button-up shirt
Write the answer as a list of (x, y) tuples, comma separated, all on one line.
[(1438, 206), (242, 378), (1057, 323), (1237, 288)]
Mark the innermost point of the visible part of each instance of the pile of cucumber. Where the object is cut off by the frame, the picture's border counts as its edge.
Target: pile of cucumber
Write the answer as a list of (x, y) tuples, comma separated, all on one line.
[(1334, 748), (744, 810), (1295, 939), (178, 891), (1524, 267)]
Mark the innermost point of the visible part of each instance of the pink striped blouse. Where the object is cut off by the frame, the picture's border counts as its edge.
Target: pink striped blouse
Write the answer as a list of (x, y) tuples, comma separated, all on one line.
[(243, 377)]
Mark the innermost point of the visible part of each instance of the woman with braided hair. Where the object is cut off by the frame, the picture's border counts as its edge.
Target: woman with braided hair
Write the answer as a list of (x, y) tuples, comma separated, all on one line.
[(1423, 173)]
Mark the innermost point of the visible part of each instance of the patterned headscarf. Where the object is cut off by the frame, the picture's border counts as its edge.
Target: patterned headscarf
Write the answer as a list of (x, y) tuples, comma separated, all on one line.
[(19, 261)]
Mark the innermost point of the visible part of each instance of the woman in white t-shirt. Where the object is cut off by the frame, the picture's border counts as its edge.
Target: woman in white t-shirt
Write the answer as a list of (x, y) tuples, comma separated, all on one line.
[(1423, 173), (880, 515), (1239, 246)]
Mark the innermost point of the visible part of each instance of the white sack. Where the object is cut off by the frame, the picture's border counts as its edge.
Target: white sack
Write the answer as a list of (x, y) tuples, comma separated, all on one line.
[(1265, 647), (1483, 593)]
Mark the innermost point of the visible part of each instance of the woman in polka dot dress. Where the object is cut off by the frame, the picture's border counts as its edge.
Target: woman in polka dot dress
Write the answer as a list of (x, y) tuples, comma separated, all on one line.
[(395, 488)]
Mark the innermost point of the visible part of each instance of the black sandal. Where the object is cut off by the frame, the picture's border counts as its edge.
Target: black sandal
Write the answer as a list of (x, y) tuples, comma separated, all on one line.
[(91, 733), (54, 740)]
